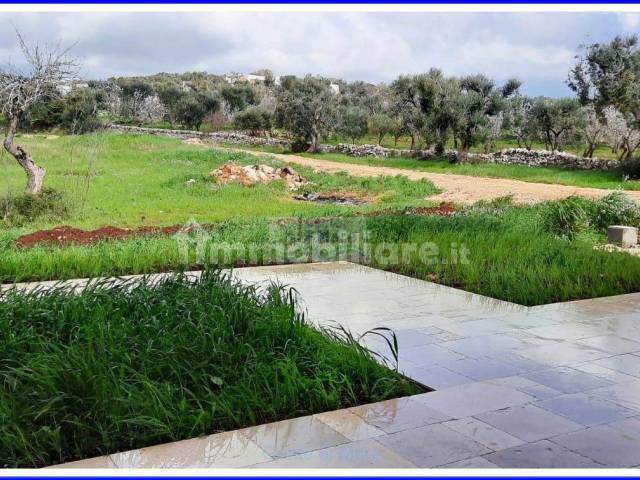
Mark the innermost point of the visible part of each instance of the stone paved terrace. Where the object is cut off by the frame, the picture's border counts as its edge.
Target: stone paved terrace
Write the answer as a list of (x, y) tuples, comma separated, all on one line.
[(549, 386)]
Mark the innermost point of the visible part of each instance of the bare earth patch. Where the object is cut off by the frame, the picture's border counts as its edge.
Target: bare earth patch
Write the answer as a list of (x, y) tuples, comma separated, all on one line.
[(454, 188)]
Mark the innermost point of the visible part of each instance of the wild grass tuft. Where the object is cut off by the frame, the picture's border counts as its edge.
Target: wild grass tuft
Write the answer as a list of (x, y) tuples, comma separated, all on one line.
[(123, 365)]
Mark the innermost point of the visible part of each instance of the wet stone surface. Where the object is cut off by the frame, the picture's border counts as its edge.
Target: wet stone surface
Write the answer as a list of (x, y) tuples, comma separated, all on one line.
[(555, 386)]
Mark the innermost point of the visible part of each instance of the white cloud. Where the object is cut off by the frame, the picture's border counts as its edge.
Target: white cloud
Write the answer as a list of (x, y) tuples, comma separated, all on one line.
[(537, 48)]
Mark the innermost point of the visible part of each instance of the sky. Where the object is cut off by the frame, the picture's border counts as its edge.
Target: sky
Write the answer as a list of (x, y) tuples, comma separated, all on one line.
[(537, 48)]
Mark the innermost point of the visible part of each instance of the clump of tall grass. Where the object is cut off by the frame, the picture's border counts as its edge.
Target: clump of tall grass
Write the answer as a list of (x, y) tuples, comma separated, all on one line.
[(17, 210), (122, 365)]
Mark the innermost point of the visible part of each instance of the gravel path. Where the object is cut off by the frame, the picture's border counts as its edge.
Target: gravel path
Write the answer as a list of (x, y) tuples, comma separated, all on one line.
[(454, 188)]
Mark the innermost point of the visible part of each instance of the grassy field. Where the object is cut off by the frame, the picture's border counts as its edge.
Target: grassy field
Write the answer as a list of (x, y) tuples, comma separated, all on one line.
[(118, 367), (134, 180), (140, 181)]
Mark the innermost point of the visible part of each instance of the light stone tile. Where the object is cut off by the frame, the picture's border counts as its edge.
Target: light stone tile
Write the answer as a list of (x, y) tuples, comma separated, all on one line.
[(629, 426), (605, 445), (566, 354), (483, 433), (429, 355), (484, 345), (626, 394), (567, 380), (541, 454), (529, 423), (224, 450), (604, 372), (291, 437), (540, 392), (432, 446), (628, 364), (475, 462), (483, 368), (566, 331), (360, 454), (349, 425), (611, 343), (585, 409), (473, 398), (96, 462), (399, 414), (435, 376)]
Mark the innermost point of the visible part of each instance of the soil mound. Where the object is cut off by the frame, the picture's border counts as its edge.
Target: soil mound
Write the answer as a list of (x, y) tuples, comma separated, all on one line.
[(65, 235)]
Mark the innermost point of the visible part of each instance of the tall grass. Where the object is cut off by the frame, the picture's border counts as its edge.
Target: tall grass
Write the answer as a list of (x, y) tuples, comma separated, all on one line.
[(126, 365), (510, 256)]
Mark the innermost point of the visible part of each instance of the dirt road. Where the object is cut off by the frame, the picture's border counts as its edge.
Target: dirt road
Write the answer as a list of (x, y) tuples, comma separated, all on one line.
[(454, 188)]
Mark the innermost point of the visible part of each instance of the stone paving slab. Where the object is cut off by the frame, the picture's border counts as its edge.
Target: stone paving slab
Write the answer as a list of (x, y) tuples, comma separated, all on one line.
[(549, 386)]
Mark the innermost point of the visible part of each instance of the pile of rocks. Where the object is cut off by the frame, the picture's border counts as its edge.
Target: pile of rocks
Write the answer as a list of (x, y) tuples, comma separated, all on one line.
[(250, 175)]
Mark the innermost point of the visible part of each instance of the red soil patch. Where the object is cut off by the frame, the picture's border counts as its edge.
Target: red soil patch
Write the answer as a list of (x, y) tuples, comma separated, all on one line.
[(65, 235)]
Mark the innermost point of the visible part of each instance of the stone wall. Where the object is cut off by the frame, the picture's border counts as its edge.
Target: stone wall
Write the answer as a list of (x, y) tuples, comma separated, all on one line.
[(227, 137), (511, 156)]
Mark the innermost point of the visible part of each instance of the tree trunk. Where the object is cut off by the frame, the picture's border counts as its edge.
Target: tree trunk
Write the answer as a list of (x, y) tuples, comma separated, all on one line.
[(463, 152), (35, 173), (313, 148)]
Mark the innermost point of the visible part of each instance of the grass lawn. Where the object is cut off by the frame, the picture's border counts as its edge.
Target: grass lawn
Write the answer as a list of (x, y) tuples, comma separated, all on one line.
[(135, 180), (140, 180), (118, 367)]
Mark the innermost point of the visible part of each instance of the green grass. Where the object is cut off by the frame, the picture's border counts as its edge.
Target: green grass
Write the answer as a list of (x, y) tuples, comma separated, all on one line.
[(123, 366), (135, 180), (140, 181), (509, 256)]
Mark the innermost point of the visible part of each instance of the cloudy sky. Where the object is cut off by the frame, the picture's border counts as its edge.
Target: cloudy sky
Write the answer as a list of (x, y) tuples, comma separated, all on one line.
[(538, 48)]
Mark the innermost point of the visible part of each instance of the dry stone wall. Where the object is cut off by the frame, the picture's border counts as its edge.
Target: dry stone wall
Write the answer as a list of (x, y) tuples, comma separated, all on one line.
[(511, 156), (228, 137)]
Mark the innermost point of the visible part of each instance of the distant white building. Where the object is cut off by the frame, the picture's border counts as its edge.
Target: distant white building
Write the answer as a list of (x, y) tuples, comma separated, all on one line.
[(64, 88), (244, 78), (335, 88)]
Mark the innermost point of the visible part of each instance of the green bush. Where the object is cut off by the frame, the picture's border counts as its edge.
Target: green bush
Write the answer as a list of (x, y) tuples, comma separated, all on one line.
[(616, 209), (18, 210), (253, 120), (567, 217)]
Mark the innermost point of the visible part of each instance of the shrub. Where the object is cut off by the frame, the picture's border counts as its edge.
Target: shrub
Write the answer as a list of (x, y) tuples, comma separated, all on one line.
[(254, 120), (567, 217), (22, 209), (616, 209), (630, 169)]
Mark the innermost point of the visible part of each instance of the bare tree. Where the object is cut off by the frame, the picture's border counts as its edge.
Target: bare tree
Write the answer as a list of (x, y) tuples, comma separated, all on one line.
[(48, 70)]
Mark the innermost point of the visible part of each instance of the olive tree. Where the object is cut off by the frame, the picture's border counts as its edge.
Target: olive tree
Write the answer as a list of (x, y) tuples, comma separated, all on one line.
[(470, 102), (352, 123), (621, 133), (380, 125), (592, 128), (20, 90), (609, 74), (556, 119), (307, 108)]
